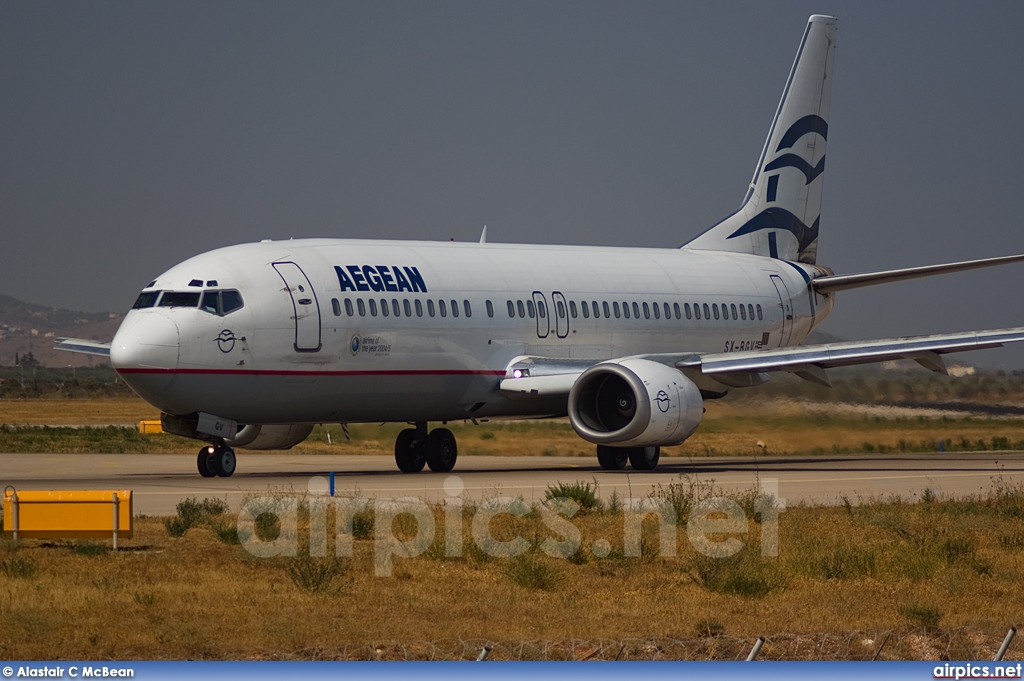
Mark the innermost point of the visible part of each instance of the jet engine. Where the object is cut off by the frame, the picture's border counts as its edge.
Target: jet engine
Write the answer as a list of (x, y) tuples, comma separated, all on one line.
[(270, 437), (634, 402)]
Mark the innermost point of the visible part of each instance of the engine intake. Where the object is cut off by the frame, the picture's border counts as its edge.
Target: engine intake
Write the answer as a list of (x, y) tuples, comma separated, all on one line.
[(634, 402)]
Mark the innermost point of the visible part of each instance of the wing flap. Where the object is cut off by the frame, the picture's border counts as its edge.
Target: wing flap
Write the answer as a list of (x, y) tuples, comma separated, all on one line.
[(83, 346)]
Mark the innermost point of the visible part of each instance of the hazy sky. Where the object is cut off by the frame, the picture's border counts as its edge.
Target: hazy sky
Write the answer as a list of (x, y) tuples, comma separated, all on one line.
[(135, 135)]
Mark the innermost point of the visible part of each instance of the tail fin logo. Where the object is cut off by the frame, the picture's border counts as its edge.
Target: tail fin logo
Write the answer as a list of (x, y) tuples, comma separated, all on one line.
[(777, 217), (780, 218), (807, 125)]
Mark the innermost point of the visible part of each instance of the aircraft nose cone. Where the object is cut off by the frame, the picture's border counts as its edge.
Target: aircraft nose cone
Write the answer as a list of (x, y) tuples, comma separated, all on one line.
[(145, 352)]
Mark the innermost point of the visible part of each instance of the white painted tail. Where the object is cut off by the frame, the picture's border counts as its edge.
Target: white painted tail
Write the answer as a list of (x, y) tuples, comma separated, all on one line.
[(782, 209)]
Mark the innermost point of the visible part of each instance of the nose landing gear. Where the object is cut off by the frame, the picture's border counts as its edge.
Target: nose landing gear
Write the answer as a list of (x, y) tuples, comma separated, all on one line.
[(216, 460)]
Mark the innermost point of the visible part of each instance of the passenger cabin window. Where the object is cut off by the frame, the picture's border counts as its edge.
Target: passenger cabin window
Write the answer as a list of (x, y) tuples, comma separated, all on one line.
[(696, 310), (466, 308), (522, 310), (373, 307), (759, 318), (572, 308), (336, 306), (560, 309), (542, 311), (419, 308), (530, 309), (490, 309), (750, 311), (348, 308), (146, 299), (430, 308), (511, 310), (383, 306), (361, 306), (586, 310), (395, 307), (732, 306), (442, 308), (625, 310), (408, 307), (455, 308), (743, 313)]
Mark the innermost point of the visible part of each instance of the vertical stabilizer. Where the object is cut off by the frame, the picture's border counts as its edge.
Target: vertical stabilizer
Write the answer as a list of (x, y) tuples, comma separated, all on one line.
[(781, 211)]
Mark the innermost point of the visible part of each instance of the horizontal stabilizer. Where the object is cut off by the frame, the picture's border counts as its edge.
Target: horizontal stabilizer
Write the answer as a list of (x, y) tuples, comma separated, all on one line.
[(841, 282), (82, 346)]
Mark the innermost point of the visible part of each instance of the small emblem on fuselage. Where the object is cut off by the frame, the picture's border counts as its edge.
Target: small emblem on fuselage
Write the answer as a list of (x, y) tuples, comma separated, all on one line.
[(226, 341), (355, 344), (663, 401)]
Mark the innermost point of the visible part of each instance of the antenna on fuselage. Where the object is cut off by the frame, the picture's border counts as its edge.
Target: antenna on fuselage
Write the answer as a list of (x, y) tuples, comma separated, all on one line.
[(483, 235)]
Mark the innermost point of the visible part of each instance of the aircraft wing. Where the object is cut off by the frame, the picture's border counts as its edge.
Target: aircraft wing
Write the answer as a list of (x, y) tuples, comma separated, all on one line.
[(85, 347), (545, 376)]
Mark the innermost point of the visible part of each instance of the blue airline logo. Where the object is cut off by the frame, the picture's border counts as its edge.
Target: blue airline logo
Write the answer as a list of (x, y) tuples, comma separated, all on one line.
[(380, 278)]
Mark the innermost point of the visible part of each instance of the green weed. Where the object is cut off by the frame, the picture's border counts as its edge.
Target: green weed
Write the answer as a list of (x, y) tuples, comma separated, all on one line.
[(17, 567), (315, 575), (583, 493), (927, 616), (530, 572)]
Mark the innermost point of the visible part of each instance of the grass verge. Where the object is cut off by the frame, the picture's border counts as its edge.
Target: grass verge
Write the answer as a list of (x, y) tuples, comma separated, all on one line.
[(939, 578)]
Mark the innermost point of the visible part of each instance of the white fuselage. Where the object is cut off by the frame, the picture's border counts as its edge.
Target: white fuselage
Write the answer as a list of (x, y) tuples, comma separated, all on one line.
[(311, 342)]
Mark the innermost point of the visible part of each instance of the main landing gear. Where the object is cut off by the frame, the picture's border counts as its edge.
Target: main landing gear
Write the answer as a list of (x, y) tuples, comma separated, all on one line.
[(415, 447), (615, 458), (214, 460)]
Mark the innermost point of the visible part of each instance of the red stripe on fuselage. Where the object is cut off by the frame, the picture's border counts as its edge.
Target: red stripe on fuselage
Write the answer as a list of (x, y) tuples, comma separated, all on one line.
[(275, 372)]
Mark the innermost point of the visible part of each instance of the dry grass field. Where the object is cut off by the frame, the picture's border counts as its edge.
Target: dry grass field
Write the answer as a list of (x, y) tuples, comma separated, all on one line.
[(941, 579)]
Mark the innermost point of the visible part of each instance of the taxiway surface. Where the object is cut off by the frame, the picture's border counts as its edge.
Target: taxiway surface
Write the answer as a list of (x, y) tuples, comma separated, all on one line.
[(160, 481)]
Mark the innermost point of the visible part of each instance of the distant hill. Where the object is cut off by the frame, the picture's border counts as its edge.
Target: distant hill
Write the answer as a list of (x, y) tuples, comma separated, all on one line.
[(26, 327)]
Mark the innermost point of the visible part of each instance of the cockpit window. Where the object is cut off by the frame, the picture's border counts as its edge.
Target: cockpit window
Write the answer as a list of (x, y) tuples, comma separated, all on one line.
[(211, 302), (214, 302), (221, 302), (146, 299), (179, 299)]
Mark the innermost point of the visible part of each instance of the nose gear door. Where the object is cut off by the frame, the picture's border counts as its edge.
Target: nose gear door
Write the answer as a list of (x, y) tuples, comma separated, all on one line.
[(305, 305)]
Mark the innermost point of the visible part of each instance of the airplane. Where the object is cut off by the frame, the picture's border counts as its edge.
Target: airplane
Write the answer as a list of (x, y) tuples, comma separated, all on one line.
[(251, 345)]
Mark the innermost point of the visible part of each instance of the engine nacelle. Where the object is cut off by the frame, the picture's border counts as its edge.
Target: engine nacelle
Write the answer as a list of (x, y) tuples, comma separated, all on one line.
[(270, 437), (634, 402)]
